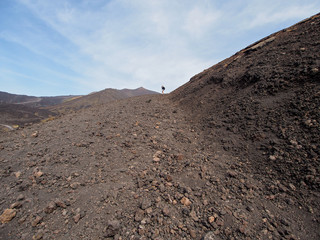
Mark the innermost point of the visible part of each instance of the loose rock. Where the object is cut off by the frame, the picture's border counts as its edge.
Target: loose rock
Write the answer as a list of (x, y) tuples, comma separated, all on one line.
[(8, 215)]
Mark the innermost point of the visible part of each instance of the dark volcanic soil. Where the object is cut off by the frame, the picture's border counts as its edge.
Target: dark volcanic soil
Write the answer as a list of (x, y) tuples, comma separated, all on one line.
[(18, 114), (233, 154)]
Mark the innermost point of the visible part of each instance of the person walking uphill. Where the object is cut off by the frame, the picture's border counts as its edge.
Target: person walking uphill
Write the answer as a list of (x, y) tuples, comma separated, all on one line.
[(163, 88)]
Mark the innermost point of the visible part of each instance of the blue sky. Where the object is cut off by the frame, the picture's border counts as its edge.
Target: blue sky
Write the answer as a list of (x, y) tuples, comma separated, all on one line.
[(62, 47)]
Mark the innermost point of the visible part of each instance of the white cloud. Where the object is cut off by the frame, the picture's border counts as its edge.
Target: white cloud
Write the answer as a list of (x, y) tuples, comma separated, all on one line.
[(261, 13), (200, 20), (128, 43)]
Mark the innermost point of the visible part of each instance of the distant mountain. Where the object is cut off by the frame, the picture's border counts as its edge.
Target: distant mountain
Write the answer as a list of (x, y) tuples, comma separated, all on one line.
[(97, 98), (32, 101)]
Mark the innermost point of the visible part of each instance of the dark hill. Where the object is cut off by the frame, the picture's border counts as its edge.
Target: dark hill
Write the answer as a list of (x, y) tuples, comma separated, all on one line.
[(19, 114), (263, 103), (98, 98), (32, 101)]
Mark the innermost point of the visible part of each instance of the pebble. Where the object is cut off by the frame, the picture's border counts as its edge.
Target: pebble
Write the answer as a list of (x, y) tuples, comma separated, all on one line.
[(60, 203), (292, 187), (210, 236), (50, 208), (211, 219), (38, 174), (17, 174), (139, 215), (166, 211), (145, 203), (76, 218), (36, 221), (192, 233), (273, 158), (75, 185), (7, 215), (112, 228), (194, 216), (38, 236), (185, 201), (20, 197), (232, 174), (16, 205), (35, 134)]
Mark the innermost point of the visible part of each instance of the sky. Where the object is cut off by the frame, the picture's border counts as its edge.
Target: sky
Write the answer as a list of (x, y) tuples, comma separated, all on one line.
[(75, 47)]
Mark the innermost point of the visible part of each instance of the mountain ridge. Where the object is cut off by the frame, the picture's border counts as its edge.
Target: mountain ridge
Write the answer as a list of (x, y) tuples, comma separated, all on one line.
[(22, 109), (97, 98)]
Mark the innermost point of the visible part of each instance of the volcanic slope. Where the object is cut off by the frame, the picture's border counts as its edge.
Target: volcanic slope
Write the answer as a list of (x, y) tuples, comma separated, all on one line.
[(262, 106), (226, 156)]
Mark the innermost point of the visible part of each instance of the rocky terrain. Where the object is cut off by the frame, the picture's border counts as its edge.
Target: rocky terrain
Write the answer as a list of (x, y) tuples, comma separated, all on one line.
[(232, 154)]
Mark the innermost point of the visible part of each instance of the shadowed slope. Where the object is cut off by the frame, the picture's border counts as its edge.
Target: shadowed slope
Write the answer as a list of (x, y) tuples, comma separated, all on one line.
[(264, 103), (98, 98)]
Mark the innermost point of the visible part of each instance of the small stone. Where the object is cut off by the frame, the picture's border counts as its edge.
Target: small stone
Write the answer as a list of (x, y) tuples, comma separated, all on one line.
[(156, 156), (285, 222), (166, 211), (292, 187), (16, 205), (149, 210), (60, 203), (50, 208), (315, 70), (210, 236), (38, 236), (227, 231), (139, 215), (185, 201), (17, 174), (146, 203), (169, 178), (22, 219), (232, 174), (211, 219), (64, 212), (76, 218), (8, 215), (36, 221), (20, 197), (74, 185), (192, 233), (38, 174), (220, 222), (180, 157), (113, 227), (194, 216), (250, 208), (35, 134), (272, 158)]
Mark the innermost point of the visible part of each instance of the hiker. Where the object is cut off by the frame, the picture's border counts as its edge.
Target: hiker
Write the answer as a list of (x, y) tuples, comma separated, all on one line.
[(163, 88)]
